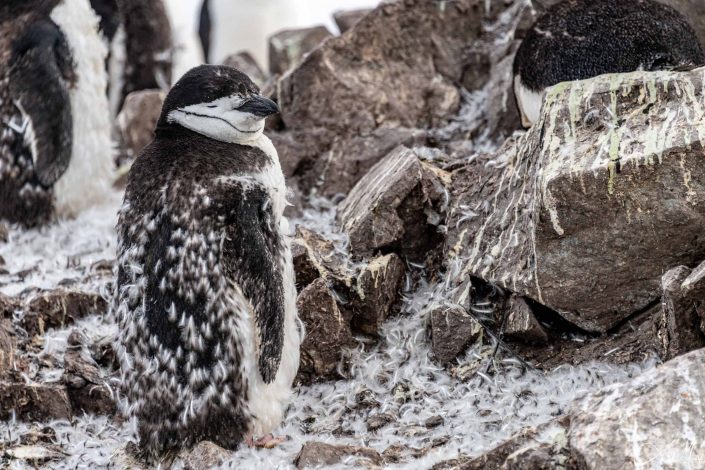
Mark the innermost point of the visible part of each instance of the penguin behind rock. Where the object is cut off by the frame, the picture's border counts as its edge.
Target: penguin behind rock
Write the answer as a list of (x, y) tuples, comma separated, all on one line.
[(578, 39), (206, 303), (138, 34), (55, 148)]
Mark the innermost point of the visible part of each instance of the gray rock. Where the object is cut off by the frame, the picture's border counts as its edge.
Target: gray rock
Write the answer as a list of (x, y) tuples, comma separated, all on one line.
[(522, 323), (346, 19), (35, 454), (452, 331), (586, 211), (652, 421), (317, 454), (339, 98), (205, 455), (88, 390), (379, 420), (397, 205), (8, 346), (137, 120), (245, 63), (288, 47), (327, 332), (315, 257), (378, 289), (59, 308), (678, 325)]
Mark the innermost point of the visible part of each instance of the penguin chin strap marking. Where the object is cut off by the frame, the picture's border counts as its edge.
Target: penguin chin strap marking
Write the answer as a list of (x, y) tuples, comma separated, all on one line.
[(224, 120)]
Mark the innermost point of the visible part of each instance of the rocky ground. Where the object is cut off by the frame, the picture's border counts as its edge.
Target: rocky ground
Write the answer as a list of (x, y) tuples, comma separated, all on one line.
[(475, 295)]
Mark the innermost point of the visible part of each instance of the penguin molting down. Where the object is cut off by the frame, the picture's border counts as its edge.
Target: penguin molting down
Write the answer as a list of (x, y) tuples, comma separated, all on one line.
[(206, 302), (138, 34), (578, 39), (55, 148)]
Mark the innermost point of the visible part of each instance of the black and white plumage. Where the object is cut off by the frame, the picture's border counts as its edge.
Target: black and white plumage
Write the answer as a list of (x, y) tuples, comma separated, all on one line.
[(138, 35), (206, 303), (55, 149), (578, 39)]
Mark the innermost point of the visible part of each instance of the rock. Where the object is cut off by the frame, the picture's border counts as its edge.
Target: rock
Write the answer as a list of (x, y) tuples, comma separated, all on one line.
[(4, 233), (379, 420), (678, 325), (245, 63), (317, 454), (452, 331), (8, 306), (315, 257), (138, 119), (58, 308), (34, 401), (327, 332), (433, 421), (8, 347), (339, 100), (88, 390), (537, 448), (522, 323), (288, 47), (35, 454), (346, 19), (378, 288), (652, 421), (128, 456), (397, 206), (585, 212), (205, 455)]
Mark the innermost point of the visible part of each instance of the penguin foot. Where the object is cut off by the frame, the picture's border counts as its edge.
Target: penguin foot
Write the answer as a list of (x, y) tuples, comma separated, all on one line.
[(267, 442)]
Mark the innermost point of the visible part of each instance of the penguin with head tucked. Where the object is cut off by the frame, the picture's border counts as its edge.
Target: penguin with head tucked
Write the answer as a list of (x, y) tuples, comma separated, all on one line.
[(206, 302), (579, 39), (55, 148)]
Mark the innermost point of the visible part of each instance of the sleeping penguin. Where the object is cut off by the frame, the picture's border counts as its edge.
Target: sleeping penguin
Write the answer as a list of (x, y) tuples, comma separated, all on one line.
[(578, 39), (206, 303), (55, 148)]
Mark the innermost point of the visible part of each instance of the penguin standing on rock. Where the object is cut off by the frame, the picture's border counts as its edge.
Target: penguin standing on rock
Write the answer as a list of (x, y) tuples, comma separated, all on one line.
[(579, 39), (55, 148), (206, 302)]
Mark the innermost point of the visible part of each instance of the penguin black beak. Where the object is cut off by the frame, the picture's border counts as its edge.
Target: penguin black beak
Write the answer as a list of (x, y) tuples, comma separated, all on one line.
[(260, 106)]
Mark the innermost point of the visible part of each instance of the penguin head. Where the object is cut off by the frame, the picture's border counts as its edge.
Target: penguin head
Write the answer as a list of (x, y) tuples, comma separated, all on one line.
[(218, 102)]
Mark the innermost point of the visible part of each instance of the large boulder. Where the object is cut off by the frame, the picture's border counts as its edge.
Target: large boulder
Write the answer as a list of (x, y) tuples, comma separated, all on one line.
[(398, 72), (346, 19), (587, 210), (137, 120), (288, 47), (653, 421)]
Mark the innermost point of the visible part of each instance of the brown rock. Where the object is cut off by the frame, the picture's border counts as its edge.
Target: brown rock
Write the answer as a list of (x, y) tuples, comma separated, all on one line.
[(378, 288), (396, 206), (137, 120), (452, 331), (245, 63), (4, 233), (34, 401), (205, 455), (327, 332), (317, 454), (58, 308), (678, 325), (339, 92), (315, 257), (288, 47), (87, 388), (379, 420), (8, 346), (522, 323), (8, 306), (346, 19), (586, 232)]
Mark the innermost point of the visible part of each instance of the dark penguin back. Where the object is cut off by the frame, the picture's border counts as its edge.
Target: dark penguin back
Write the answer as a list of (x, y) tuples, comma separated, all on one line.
[(578, 39)]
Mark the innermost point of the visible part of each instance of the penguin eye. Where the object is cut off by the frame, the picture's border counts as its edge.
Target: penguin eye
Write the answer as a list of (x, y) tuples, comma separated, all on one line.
[(211, 106)]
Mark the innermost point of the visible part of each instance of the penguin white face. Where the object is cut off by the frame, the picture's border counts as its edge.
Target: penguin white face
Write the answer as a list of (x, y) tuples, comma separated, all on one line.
[(232, 118), (218, 102)]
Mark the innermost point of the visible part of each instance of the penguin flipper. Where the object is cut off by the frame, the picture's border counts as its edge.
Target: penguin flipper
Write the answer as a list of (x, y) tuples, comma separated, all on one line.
[(252, 251), (41, 73)]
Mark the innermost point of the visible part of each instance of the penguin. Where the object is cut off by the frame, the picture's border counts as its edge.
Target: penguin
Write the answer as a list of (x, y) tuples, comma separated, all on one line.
[(579, 39), (205, 300), (55, 147), (139, 39)]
